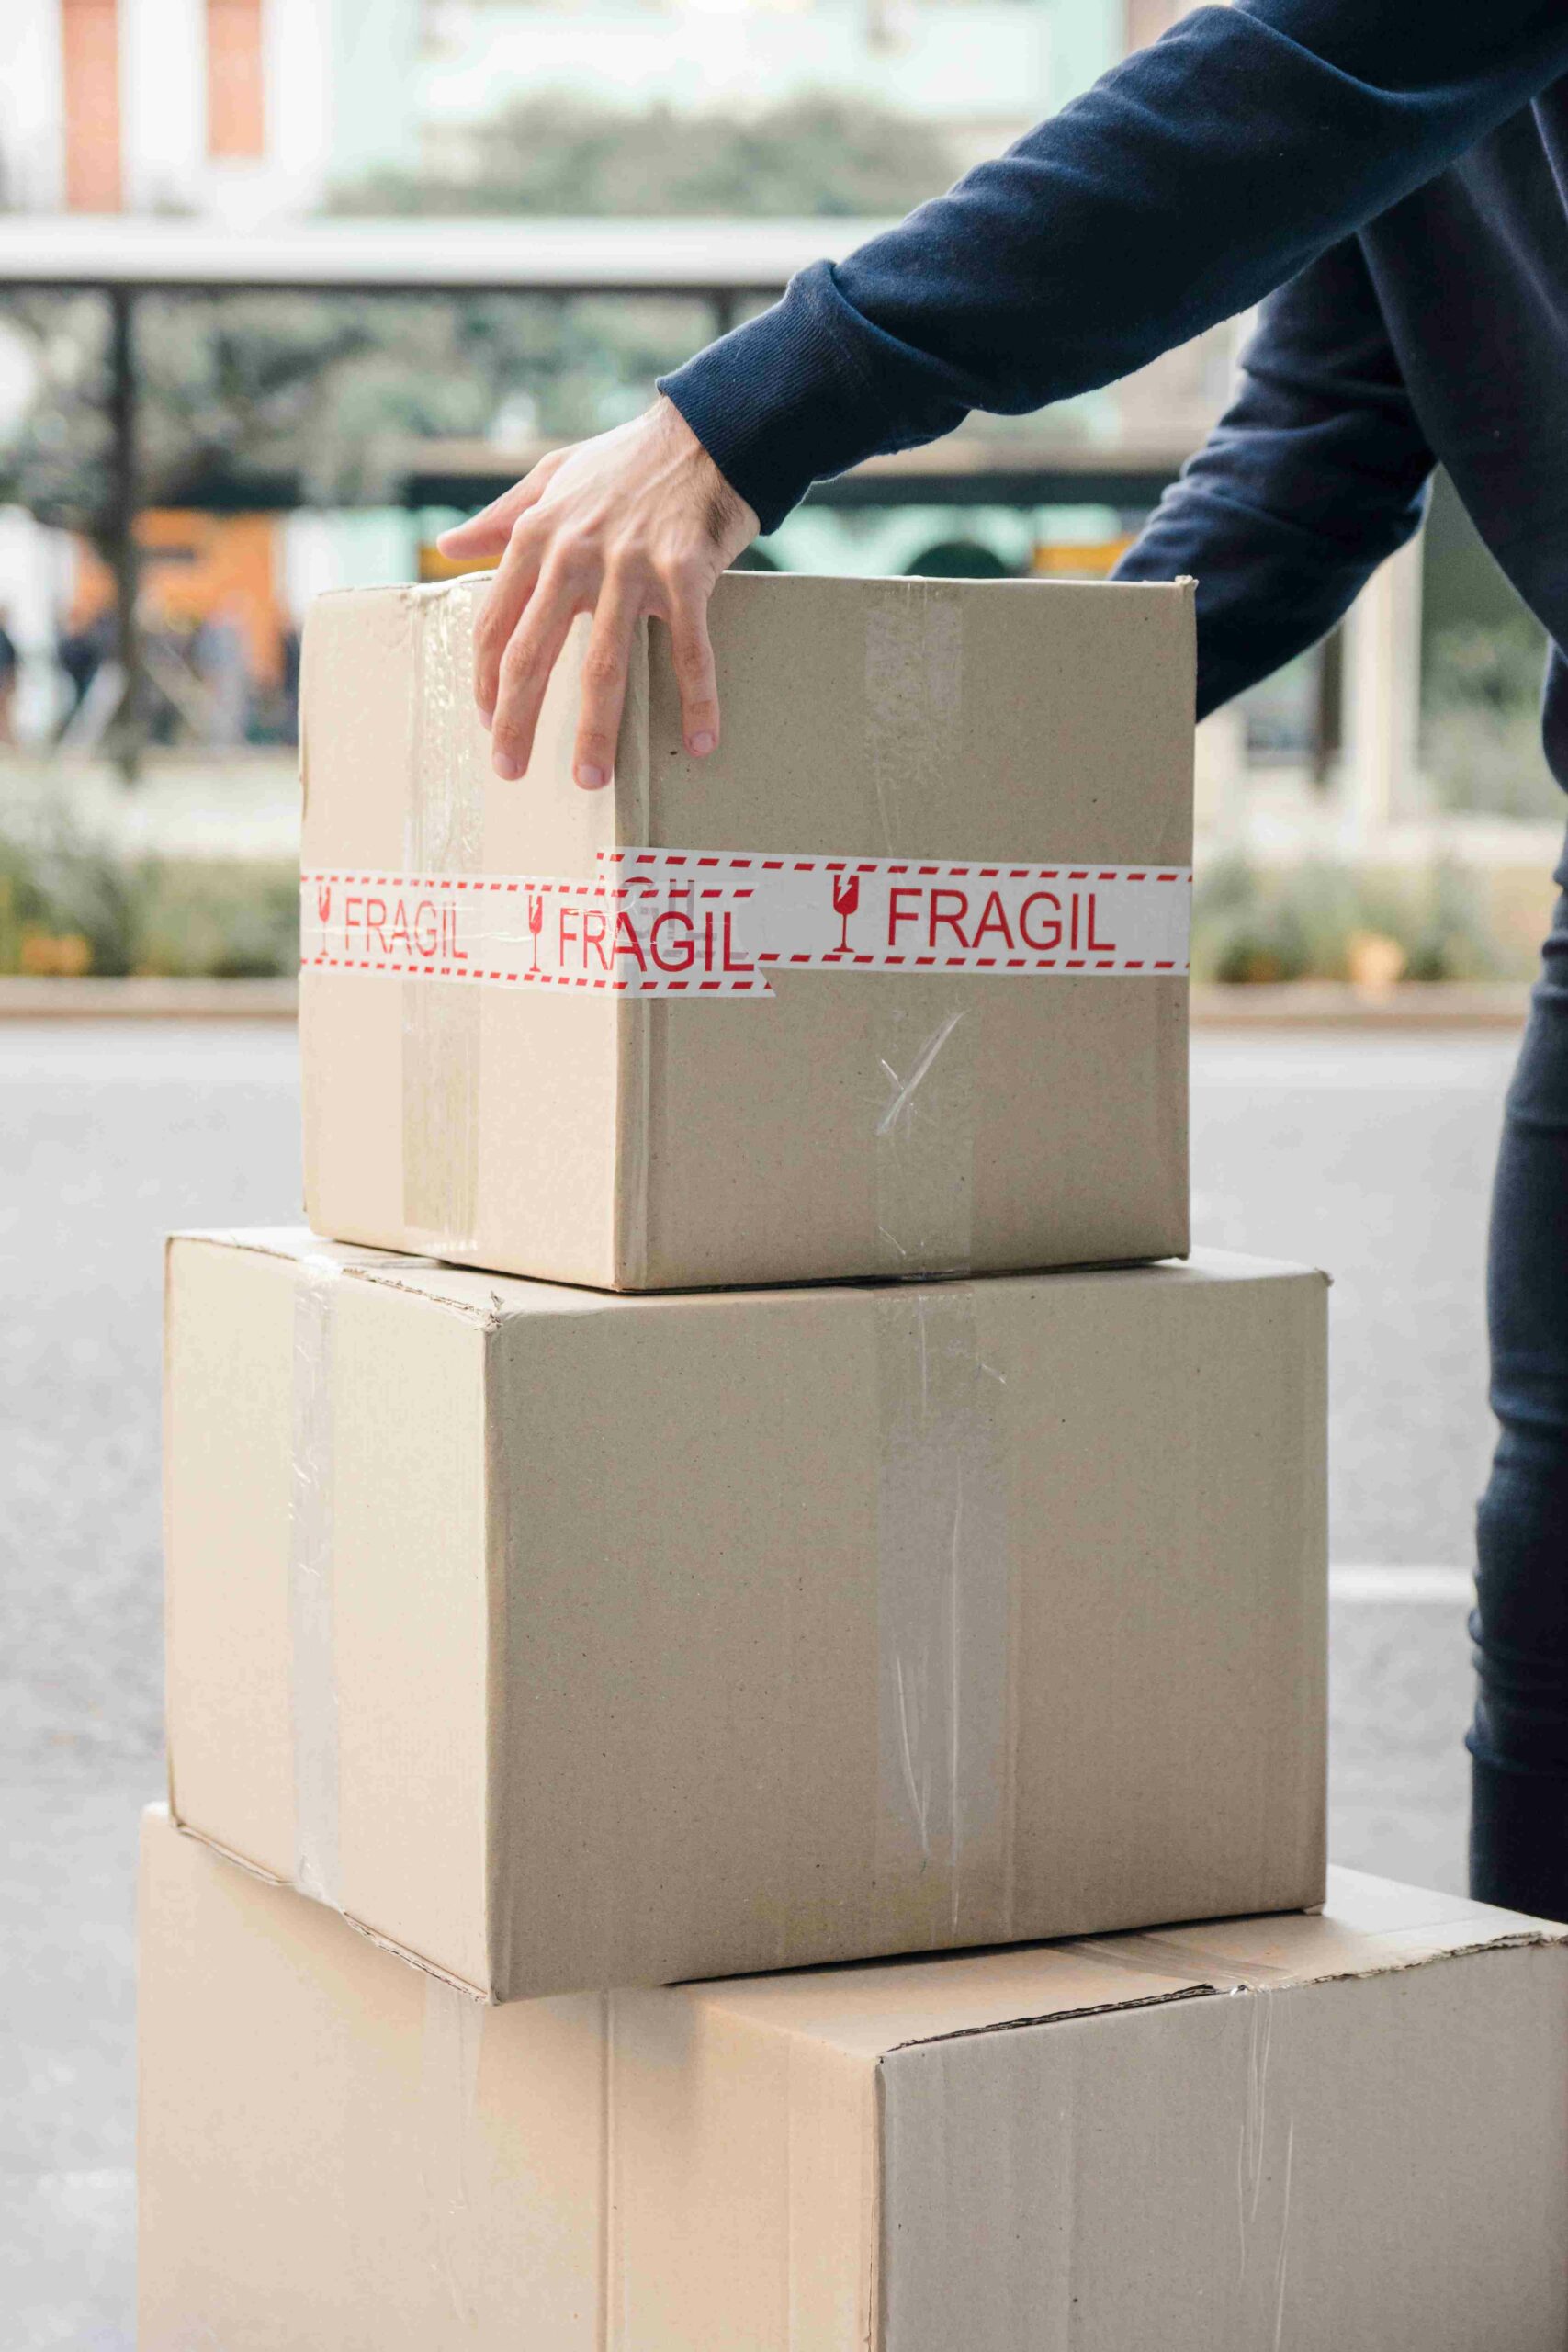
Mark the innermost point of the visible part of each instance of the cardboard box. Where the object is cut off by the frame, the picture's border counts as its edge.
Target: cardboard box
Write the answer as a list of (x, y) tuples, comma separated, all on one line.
[(895, 1031), (1315, 2133), (565, 1640)]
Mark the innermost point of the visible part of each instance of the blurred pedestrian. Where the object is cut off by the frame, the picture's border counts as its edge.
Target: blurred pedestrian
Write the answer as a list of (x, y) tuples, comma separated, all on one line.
[(222, 660), (10, 669), (1390, 179)]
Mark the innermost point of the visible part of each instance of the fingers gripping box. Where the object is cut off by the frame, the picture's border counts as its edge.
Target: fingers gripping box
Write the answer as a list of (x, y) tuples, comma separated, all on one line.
[(894, 983), (564, 1640), (1313, 2132)]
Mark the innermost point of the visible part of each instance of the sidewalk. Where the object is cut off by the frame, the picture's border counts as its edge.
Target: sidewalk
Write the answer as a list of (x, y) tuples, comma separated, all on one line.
[(1371, 1153)]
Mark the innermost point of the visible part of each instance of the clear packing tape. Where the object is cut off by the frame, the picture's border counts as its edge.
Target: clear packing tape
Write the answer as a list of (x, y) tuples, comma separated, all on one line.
[(313, 1684), (945, 1693), (443, 833), (945, 1689)]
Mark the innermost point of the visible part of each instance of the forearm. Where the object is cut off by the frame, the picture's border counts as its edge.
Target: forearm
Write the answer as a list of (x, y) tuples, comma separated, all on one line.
[(1268, 589), (1180, 191), (1316, 474)]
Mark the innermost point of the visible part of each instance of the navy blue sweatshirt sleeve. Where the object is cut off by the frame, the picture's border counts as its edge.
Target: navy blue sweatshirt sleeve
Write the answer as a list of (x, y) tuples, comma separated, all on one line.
[(1186, 185), (1316, 472)]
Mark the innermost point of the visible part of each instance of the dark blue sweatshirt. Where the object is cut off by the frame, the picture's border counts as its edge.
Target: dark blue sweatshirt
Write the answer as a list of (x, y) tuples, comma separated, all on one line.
[(1396, 169)]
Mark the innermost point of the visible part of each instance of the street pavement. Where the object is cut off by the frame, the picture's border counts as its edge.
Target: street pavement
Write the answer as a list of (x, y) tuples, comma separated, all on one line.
[(1368, 1154)]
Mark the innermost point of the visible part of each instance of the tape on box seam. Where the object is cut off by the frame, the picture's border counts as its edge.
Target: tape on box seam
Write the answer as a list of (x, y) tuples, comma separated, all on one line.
[(946, 1643), (441, 1027), (450, 2154), (723, 923), (313, 1675)]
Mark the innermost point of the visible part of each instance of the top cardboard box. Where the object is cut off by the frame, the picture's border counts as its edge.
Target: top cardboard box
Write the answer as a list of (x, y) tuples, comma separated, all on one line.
[(921, 1011)]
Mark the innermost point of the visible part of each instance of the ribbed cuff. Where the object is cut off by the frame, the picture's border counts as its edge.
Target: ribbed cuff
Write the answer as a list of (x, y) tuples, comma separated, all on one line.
[(780, 402), (1518, 1839)]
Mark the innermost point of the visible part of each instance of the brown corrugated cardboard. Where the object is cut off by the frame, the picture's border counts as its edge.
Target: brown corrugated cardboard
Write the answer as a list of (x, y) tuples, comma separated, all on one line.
[(1307, 2132), (565, 1640), (854, 1122)]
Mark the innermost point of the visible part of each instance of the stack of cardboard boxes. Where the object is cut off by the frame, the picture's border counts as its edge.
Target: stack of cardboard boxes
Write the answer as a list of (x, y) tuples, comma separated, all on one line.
[(663, 1540)]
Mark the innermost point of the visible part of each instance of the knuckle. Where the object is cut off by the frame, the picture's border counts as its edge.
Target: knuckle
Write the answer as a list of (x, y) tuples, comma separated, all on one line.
[(517, 665), (627, 575), (685, 575), (565, 579), (601, 667)]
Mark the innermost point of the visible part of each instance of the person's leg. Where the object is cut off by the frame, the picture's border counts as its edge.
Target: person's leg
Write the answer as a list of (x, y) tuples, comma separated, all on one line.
[(1520, 1739)]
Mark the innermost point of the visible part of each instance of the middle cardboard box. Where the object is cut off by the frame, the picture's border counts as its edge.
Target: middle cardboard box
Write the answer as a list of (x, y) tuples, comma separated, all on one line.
[(564, 1640)]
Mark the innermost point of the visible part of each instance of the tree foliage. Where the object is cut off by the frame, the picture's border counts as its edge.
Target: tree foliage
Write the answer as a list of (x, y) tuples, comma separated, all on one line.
[(812, 157), (329, 391)]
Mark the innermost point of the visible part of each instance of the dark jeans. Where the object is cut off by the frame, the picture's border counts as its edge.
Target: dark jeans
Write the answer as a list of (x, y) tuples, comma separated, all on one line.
[(1519, 1740)]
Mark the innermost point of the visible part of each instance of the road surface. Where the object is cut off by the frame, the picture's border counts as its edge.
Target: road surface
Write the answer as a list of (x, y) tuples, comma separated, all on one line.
[(1369, 1155)]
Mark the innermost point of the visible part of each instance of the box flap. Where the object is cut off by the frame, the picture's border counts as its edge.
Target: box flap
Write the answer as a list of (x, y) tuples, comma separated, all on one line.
[(1370, 1926)]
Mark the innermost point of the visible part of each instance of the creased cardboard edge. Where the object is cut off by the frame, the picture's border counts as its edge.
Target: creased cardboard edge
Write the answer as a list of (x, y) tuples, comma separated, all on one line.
[(496, 1924), (228, 1854), (1542, 1938), (166, 1503), (468, 1310)]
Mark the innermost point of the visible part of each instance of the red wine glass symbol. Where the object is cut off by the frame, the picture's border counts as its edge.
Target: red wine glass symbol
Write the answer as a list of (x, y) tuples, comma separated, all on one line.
[(846, 898), (536, 922)]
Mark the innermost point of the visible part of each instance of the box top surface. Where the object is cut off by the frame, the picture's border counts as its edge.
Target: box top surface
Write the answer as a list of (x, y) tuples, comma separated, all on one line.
[(807, 588), (1019, 718), (499, 1298), (1369, 1926)]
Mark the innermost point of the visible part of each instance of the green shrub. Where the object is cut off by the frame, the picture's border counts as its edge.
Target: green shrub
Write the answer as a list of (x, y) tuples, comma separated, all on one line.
[(1329, 923), (67, 905), (1481, 724)]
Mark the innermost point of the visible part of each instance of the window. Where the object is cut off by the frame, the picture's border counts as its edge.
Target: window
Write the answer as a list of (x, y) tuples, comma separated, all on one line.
[(236, 110), (89, 44)]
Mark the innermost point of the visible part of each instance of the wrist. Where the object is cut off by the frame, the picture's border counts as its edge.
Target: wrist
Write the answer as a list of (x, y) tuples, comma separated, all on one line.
[(781, 401)]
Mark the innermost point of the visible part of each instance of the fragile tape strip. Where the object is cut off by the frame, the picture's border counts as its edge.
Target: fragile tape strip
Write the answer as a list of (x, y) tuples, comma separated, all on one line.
[(944, 1611), (690, 922)]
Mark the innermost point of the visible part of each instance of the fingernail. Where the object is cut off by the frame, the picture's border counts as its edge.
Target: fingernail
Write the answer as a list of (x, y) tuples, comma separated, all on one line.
[(487, 718), (700, 745), (505, 767), (590, 779)]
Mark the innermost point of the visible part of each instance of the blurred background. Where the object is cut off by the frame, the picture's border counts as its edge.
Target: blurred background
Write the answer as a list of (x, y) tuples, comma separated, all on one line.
[(206, 418), (285, 287)]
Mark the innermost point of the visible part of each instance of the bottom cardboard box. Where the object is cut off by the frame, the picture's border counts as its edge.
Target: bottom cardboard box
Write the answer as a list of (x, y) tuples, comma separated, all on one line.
[(1313, 2132)]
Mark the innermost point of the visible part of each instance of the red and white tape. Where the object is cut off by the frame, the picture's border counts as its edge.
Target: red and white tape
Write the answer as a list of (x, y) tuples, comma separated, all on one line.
[(698, 922)]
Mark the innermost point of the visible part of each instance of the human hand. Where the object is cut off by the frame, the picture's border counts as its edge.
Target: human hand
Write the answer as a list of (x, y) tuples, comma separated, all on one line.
[(638, 521)]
